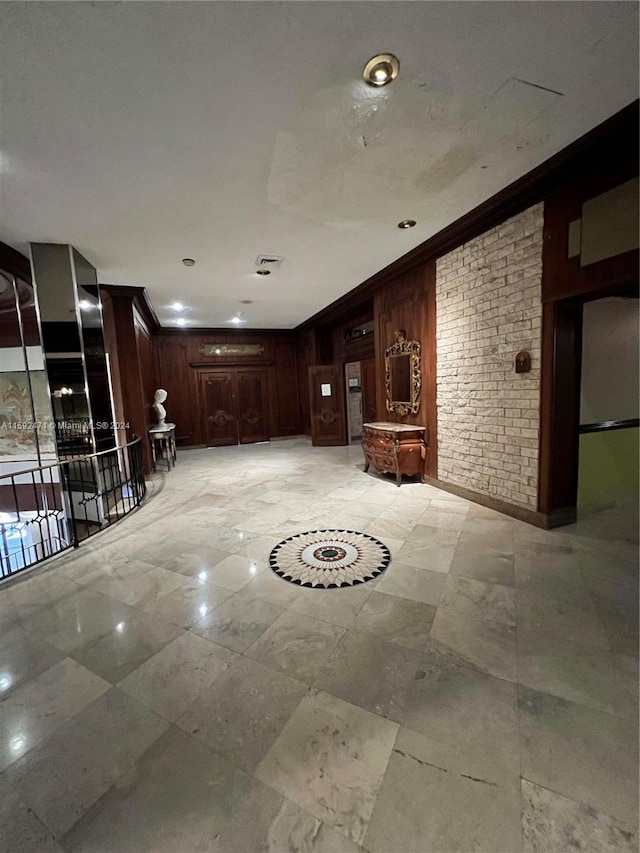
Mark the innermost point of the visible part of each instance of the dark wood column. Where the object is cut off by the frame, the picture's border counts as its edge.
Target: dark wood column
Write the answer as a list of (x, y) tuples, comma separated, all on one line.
[(128, 327)]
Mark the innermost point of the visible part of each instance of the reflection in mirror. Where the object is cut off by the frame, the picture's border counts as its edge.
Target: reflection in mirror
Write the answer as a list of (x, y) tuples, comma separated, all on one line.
[(403, 378)]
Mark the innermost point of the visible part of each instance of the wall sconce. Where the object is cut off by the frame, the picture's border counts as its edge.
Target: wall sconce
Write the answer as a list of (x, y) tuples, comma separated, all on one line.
[(523, 362)]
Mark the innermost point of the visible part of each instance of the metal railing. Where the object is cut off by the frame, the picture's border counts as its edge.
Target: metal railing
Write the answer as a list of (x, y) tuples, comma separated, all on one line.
[(47, 509)]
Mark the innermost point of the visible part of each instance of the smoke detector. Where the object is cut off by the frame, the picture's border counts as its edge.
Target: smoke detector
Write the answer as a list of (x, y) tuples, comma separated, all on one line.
[(269, 262)]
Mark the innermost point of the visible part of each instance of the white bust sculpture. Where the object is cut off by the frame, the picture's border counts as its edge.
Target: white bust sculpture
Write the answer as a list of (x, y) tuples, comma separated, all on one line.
[(158, 399)]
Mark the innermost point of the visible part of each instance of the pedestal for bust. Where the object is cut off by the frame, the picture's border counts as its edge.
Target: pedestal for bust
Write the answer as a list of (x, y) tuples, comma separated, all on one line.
[(164, 435), (394, 448)]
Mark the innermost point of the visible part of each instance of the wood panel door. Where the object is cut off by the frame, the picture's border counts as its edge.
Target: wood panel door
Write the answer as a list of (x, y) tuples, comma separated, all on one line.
[(326, 395), (221, 423), (368, 385), (251, 398)]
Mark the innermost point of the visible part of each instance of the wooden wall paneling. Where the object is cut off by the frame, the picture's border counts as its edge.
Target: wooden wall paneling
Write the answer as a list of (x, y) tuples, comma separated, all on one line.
[(180, 381), (429, 372), (368, 385), (147, 362), (560, 410), (563, 277), (286, 385), (129, 334), (306, 351), (401, 305)]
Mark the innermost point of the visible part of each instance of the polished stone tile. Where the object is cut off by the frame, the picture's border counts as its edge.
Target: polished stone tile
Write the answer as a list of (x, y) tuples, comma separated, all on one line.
[(330, 759), (369, 673), (24, 597), (486, 567), (244, 711), (238, 622), (552, 824), (421, 554), (584, 674), (476, 621), (235, 571), (434, 798), (581, 753), (483, 644), (297, 645), (113, 651), (79, 619), (337, 606), (271, 587), (413, 584), (434, 538), (141, 589), (22, 831), (441, 519), (62, 778), (469, 597), (174, 678), (567, 614), (190, 603), (22, 657), (466, 710), (395, 620), (181, 796), (36, 709), (296, 831), (189, 558)]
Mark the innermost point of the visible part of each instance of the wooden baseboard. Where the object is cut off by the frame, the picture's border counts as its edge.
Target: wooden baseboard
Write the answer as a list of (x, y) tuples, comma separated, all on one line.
[(538, 519)]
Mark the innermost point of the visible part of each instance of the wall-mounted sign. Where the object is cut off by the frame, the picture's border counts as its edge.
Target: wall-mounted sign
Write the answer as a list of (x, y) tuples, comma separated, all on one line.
[(325, 389), (231, 349)]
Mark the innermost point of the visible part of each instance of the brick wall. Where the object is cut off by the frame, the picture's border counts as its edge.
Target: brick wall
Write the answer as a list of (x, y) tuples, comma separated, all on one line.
[(489, 308)]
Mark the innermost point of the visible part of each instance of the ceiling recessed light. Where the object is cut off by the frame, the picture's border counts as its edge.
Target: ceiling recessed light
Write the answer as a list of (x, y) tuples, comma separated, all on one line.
[(177, 306), (188, 262), (407, 223), (181, 321), (381, 69), (263, 272)]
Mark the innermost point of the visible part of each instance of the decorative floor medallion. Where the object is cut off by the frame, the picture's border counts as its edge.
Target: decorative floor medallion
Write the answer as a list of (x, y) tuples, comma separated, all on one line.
[(327, 559)]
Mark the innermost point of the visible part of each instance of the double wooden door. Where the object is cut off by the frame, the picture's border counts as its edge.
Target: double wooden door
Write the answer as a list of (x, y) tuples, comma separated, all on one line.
[(235, 406)]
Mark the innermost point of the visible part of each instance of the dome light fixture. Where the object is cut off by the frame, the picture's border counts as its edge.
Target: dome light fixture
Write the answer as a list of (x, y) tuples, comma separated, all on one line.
[(177, 306), (188, 262), (181, 321), (381, 69), (263, 272), (407, 223)]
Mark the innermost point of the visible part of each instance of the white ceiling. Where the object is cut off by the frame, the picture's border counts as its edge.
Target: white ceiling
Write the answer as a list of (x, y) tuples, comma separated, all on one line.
[(143, 133)]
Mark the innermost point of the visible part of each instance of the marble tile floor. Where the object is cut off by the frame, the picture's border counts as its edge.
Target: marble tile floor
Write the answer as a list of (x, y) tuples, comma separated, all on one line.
[(162, 690)]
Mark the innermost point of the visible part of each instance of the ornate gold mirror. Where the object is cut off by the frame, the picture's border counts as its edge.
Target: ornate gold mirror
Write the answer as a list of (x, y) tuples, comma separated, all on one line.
[(402, 375)]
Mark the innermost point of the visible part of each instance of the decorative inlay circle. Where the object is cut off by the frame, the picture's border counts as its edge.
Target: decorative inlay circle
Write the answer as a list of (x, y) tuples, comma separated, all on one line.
[(327, 559)]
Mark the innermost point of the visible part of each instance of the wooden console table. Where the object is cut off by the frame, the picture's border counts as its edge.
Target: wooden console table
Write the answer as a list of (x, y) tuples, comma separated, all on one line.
[(394, 448), (165, 436)]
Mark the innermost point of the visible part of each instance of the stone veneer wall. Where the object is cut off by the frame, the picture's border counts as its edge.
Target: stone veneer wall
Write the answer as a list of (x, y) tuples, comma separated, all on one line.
[(488, 307)]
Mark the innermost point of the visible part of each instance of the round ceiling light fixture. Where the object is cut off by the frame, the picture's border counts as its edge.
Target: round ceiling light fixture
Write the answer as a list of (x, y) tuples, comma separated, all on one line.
[(407, 223), (181, 321), (381, 69), (188, 262), (263, 272)]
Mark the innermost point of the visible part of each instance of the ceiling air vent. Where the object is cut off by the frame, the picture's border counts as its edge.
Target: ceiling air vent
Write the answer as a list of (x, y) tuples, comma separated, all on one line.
[(269, 262)]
